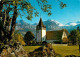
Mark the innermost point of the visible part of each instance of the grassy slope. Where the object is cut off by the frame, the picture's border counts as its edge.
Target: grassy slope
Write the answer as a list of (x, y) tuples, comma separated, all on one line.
[(62, 50)]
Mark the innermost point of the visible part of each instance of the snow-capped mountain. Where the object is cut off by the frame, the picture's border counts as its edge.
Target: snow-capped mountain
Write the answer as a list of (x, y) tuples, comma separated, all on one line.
[(53, 22), (52, 25), (73, 23), (23, 27)]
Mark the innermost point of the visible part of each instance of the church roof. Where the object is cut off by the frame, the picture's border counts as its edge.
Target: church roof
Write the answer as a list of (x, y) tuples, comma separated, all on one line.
[(55, 35), (41, 23)]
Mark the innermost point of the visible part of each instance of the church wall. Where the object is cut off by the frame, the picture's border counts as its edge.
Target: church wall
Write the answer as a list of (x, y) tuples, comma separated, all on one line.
[(43, 34), (38, 36), (64, 35)]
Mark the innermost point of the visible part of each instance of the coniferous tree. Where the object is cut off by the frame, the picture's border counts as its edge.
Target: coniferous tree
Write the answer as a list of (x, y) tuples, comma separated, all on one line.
[(74, 37)]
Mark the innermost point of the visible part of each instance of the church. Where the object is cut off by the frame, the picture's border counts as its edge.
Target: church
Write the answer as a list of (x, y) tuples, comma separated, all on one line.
[(59, 36)]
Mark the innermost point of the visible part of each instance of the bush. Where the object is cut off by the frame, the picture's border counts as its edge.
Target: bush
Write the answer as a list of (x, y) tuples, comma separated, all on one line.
[(57, 42), (44, 42), (17, 38)]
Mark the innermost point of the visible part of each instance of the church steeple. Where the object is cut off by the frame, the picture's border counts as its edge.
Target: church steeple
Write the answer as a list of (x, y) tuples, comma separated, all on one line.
[(41, 24), (40, 32)]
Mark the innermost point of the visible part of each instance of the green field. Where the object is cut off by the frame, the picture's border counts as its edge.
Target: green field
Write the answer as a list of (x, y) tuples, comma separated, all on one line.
[(30, 48), (67, 50), (62, 50)]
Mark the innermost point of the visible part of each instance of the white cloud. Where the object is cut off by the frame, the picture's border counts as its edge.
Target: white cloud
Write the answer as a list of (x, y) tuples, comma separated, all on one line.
[(73, 24)]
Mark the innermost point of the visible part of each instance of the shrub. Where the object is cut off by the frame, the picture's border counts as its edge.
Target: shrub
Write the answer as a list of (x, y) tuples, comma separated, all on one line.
[(57, 42), (44, 42), (17, 38)]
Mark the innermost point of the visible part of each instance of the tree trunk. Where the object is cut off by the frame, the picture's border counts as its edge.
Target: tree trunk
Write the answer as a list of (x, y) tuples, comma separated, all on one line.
[(13, 22), (1, 6), (9, 23), (6, 22)]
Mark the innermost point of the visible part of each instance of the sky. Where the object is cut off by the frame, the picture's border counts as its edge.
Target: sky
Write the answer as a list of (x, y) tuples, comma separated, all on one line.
[(71, 13)]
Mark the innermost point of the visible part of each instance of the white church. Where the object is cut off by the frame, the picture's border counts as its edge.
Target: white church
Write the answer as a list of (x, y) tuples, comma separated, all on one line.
[(50, 36)]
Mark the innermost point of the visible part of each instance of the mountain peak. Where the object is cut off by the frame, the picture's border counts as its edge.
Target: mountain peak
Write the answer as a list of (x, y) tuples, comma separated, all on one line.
[(56, 22), (50, 22)]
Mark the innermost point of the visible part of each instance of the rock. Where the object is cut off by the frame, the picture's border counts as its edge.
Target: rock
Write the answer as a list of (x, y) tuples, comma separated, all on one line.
[(12, 55), (49, 45), (44, 51), (16, 51), (9, 50), (4, 53)]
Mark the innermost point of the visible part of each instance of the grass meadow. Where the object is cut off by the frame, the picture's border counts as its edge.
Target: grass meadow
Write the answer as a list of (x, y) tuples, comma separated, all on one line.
[(62, 50)]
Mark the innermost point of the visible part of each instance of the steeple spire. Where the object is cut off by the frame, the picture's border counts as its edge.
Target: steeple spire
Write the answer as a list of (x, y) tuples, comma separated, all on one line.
[(41, 23)]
